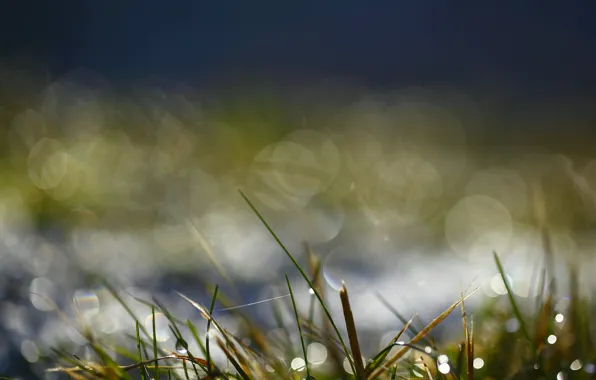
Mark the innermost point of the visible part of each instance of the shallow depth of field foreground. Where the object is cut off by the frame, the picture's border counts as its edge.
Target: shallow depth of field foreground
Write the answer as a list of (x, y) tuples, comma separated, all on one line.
[(320, 233)]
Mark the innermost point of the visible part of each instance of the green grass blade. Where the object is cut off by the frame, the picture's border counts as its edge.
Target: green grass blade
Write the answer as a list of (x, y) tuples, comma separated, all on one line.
[(155, 344), (115, 294), (299, 326), (143, 368), (195, 334), (380, 357), (305, 276), (394, 372), (211, 307), (514, 306)]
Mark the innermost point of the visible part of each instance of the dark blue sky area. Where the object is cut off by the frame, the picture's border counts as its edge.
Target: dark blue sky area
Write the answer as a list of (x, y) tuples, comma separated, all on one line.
[(536, 45)]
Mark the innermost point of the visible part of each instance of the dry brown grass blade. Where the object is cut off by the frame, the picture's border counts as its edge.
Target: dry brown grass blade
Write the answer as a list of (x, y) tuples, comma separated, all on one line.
[(352, 334), (399, 354), (467, 341)]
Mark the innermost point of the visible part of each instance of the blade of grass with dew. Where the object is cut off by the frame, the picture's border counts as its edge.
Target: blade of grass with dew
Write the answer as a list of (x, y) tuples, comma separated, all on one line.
[(181, 342), (514, 306), (304, 275), (173, 325), (195, 334), (352, 334), (299, 327), (420, 335)]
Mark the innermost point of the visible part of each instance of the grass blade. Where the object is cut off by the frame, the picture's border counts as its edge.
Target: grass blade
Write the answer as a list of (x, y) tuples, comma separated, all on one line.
[(143, 370), (420, 336), (305, 276), (115, 294), (211, 306), (299, 327), (351, 327), (155, 343), (516, 310), (380, 357)]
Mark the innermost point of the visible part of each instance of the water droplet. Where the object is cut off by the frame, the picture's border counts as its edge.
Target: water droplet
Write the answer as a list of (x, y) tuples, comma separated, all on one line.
[(181, 347)]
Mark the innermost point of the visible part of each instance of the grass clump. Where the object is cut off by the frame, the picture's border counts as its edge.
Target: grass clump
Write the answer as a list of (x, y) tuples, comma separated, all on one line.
[(487, 350)]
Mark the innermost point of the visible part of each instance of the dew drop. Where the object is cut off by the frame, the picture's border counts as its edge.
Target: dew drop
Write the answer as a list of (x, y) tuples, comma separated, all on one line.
[(181, 347)]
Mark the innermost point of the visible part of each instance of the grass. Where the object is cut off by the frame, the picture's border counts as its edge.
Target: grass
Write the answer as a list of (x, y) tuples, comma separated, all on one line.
[(521, 354)]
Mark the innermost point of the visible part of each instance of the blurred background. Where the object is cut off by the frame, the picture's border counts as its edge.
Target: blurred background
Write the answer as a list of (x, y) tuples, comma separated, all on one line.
[(404, 141)]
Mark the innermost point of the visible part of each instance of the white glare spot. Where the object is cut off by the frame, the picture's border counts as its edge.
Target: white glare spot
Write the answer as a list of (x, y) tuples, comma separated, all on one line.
[(162, 330), (444, 368), (561, 376), (551, 339), (41, 290), (442, 359), (298, 364), (269, 368), (317, 353), (497, 284), (348, 367), (478, 363), (575, 365), (559, 318), (512, 325), (428, 349), (311, 291), (29, 351)]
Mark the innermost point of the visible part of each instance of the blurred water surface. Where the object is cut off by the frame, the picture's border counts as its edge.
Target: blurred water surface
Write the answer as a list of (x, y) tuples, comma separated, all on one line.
[(401, 194)]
